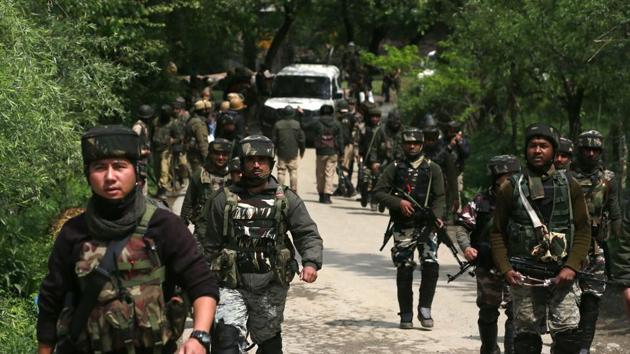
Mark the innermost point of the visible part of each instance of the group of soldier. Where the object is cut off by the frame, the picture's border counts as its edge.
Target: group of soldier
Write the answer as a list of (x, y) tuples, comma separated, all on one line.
[(123, 274)]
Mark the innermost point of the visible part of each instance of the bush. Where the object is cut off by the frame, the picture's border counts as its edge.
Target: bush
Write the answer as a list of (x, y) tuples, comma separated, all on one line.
[(17, 325)]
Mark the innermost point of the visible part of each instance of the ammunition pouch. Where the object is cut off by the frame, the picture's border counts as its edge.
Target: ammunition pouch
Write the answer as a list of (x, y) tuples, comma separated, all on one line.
[(551, 248), (176, 313), (286, 267), (225, 265), (256, 281), (65, 344)]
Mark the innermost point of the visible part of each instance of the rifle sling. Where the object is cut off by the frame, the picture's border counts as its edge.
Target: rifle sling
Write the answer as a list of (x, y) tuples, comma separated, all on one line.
[(95, 281)]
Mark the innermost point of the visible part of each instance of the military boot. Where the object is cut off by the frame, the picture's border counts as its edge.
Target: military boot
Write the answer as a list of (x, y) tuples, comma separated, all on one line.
[(406, 320), (321, 197), (327, 199), (488, 333), (589, 312)]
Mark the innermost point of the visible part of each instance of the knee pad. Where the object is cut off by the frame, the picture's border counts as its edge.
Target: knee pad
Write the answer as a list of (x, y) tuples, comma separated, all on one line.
[(527, 343), (225, 339)]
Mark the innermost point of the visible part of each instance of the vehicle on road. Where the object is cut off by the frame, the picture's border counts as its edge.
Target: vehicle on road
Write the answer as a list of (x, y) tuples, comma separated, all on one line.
[(307, 86)]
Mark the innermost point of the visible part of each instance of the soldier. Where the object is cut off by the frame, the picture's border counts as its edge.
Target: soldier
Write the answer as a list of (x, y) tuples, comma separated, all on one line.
[(437, 151), (422, 179), (564, 155), (161, 147), (234, 167), (227, 126), (196, 135), (368, 174), (254, 255), (600, 191), (141, 127), (179, 109), (91, 301), (473, 229), (459, 148), (290, 141), (328, 147), (387, 145), (619, 251), (204, 181), (553, 202)]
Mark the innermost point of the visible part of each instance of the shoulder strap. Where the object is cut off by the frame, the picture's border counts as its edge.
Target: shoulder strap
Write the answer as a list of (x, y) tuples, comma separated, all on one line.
[(528, 207), (231, 201), (571, 226), (281, 206), (100, 275)]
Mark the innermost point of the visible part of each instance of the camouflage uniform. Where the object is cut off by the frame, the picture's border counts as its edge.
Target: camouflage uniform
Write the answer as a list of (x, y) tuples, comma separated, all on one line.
[(600, 192), (247, 244), (422, 178), (196, 141)]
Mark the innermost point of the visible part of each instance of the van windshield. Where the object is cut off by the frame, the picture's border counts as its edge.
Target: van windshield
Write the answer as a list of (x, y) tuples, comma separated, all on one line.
[(301, 86)]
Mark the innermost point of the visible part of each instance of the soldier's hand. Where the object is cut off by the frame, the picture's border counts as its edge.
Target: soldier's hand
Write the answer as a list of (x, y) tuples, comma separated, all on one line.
[(308, 274), (513, 277), (376, 167), (406, 208), (470, 254), (565, 277), (191, 346)]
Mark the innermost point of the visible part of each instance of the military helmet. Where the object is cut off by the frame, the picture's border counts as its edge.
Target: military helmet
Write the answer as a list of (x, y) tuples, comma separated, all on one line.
[(429, 125), (413, 134), (501, 164), (179, 103), (257, 145), (234, 165), (342, 105), (590, 139), (542, 130), (221, 145), (115, 141), (372, 109), (286, 112), (145, 111), (226, 118), (326, 110), (565, 146), (203, 105)]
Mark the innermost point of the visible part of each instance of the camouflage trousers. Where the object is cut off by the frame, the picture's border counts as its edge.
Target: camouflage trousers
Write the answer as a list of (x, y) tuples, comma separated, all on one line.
[(492, 290), (596, 265), (539, 308), (259, 312), (404, 248)]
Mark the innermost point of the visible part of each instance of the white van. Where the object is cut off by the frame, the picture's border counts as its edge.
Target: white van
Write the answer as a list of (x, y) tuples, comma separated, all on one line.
[(308, 86)]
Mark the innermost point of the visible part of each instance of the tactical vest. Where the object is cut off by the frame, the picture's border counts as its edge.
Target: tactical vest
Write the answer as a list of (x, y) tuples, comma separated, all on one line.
[(189, 129), (130, 310), (415, 181), (209, 183), (596, 188), (484, 207), (521, 234), (255, 230)]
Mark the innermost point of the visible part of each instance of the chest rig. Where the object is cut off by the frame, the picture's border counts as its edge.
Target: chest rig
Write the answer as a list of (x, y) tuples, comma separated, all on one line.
[(130, 310), (555, 211), (415, 181), (484, 207), (256, 239)]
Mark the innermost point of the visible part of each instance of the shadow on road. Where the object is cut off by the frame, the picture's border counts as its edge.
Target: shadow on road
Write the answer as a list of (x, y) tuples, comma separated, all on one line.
[(362, 323), (366, 264)]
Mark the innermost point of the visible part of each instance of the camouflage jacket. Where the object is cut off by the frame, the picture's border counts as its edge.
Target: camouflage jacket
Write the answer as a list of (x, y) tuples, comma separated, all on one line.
[(196, 135)]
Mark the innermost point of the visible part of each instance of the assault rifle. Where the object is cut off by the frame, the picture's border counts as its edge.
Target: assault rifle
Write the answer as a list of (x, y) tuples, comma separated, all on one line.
[(547, 270), (389, 232), (442, 235)]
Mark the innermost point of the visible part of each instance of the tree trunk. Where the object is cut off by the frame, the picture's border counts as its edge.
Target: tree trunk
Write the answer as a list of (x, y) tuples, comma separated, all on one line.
[(249, 49), (283, 31), (345, 14), (573, 105), (378, 34)]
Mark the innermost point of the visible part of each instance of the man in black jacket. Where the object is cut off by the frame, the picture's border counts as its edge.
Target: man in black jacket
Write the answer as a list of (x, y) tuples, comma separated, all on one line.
[(289, 139), (328, 147), (87, 305)]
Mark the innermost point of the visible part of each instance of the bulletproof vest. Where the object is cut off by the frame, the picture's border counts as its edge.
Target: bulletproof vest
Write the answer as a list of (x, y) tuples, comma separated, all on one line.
[(161, 136), (256, 230), (390, 147), (595, 187), (210, 182), (438, 154), (554, 211), (130, 310), (416, 182)]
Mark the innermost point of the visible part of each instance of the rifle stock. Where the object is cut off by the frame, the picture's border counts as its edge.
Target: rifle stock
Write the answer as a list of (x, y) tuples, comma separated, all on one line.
[(544, 270)]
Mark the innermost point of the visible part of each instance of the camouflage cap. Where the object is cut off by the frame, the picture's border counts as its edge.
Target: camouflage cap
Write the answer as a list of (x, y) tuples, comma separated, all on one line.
[(565, 146), (544, 131), (179, 103), (234, 165), (342, 106), (257, 145), (501, 164), (221, 145), (372, 109), (114, 141), (590, 139), (413, 135)]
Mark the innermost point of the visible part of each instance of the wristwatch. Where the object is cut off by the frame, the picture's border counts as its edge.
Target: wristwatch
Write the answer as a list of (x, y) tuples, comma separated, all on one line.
[(203, 337)]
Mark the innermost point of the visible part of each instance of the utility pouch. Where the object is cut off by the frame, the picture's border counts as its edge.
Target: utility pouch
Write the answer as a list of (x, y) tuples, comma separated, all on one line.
[(552, 246), (285, 268), (64, 343), (229, 272), (255, 281)]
